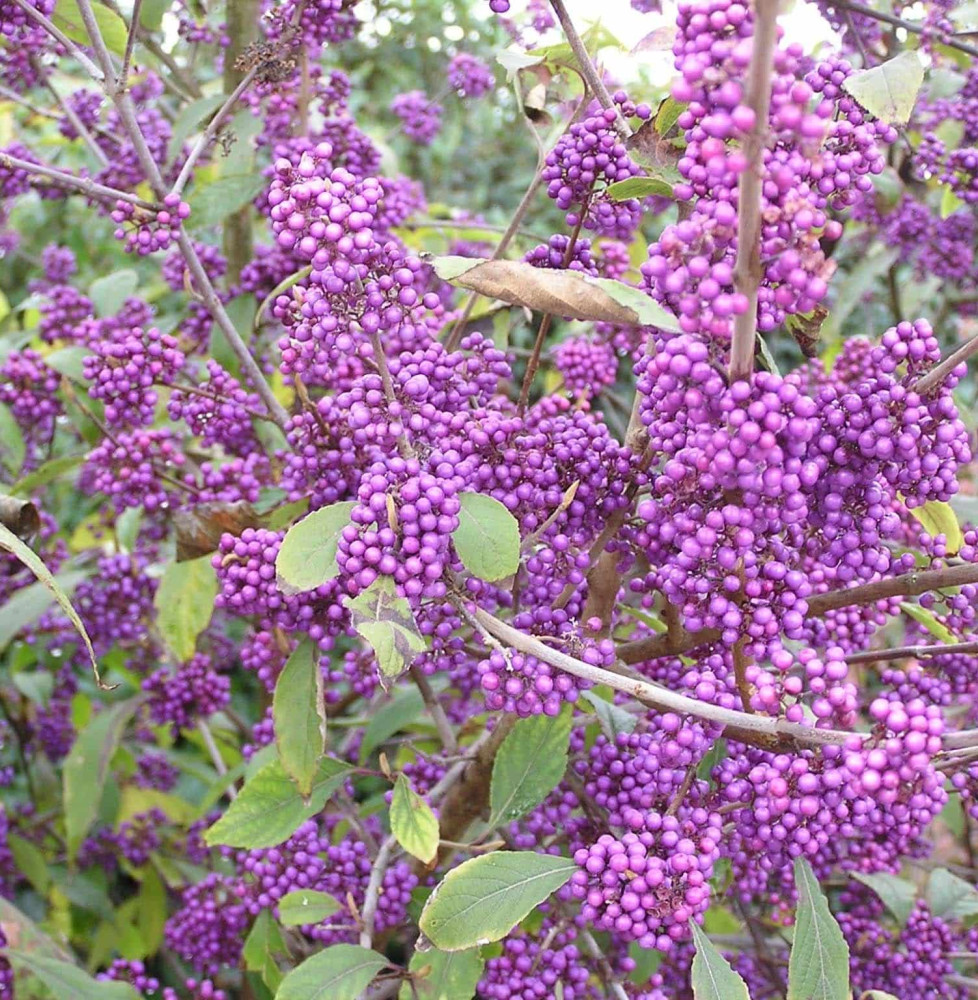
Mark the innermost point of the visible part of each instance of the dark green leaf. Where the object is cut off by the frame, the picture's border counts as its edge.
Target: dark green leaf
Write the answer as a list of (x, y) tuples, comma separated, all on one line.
[(269, 809), (12, 448), (449, 975), (307, 558), (65, 980), (30, 860), (211, 203), (109, 293), (484, 898), (614, 720), (386, 621), (711, 975), (529, 765), (184, 604), (87, 767), (818, 967), (29, 603), (412, 822), (299, 715), (487, 538), (306, 906), (639, 187), (45, 474), (342, 972), (392, 716)]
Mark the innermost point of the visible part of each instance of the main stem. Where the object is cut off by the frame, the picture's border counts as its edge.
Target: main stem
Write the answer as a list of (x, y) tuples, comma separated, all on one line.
[(748, 270)]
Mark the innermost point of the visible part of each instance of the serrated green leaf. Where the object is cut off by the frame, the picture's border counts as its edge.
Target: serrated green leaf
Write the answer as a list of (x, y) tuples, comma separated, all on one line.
[(484, 898), (111, 27), (412, 822), (711, 975), (386, 621), (307, 558), (529, 765), (923, 616), (450, 975), (184, 604), (110, 292), (269, 808), (306, 906), (342, 972), (487, 538), (639, 187), (818, 966), (87, 767), (951, 897), (299, 715), (888, 91), (66, 980), (939, 518), (897, 894), (212, 203)]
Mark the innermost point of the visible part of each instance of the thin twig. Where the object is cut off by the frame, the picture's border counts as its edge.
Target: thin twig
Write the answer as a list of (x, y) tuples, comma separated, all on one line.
[(123, 80), (371, 897), (215, 754), (211, 131), (445, 732), (903, 652), (748, 270), (69, 112), (55, 32), (84, 185), (587, 67), (940, 371), (899, 22)]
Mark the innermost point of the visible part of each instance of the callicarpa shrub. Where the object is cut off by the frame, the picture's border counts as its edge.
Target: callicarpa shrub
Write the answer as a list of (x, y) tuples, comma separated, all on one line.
[(478, 523)]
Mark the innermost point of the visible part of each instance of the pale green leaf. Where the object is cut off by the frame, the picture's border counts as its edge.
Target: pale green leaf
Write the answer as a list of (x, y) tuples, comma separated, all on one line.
[(109, 293), (448, 975), (342, 972), (889, 91), (299, 715), (614, 720), (87, 767), (639, 187), (939, 518), (487, 538), (412, 822), (283, 286), (65, 980), (12, 447), (926, 617), (29, 603), (484, 898), (818, 967), (529, 765), (711, 975), (386, 621), (306, 906), (950, 202), (951, 897), (69, 361), (192, 117), (47, 473), (211, 203), (184, 604), (307, 557), (269, 808), (897, 894), (111, 27)]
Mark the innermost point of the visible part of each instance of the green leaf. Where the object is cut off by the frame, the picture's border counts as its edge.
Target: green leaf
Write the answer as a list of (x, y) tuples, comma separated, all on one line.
[(65, 980), (898, 895), (299, 715), (151, 909), (30, 860), (212, 203), (269, 809), (283, 286), (151, 13), (34, 685), (487, 538), (191, 118), (412, 822), (712, 977), (614, 720), (342, 972), (529, 765), (184, 604), (70, 362), (26, 555), (386, 621), (307, 558), (111, 27), (667, 115), (854, 285), (889, 91), (260, 947), (29, 603), (639, 187), (448, 975), (818, 967), (950, 897), (484, 898), (389, 718), (950, 202), (925, 617), (109, 293), (12, 448), (306, 906), (45, 474), (939, 518), (87, 767)]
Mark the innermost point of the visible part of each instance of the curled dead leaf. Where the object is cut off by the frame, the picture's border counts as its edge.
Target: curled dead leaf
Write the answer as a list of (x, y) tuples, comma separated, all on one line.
[(199, 529), (20, 516)]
